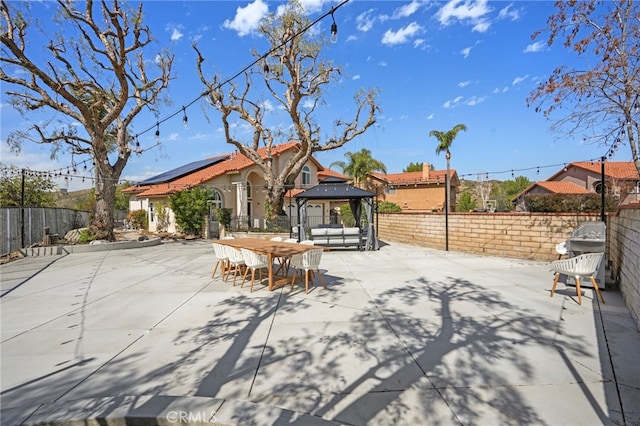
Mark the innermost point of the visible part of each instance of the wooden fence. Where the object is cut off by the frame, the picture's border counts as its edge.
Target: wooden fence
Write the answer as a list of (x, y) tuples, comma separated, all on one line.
[(23, 227)]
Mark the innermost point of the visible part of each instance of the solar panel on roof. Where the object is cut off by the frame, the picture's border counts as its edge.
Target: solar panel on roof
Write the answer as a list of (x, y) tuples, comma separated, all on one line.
[(184, 170)]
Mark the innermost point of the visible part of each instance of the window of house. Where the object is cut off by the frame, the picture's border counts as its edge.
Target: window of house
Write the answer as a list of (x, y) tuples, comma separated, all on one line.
[(248, 190), (597, 186), (215, 203), (389, 190), (306, 175)]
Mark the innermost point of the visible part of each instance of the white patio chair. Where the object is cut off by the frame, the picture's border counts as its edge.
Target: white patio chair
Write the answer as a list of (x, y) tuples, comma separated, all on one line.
[(276, 239), (291, 240), (307, 242), (308, 262), (221, 260), (584, 265), (236, 262), (253, 261)]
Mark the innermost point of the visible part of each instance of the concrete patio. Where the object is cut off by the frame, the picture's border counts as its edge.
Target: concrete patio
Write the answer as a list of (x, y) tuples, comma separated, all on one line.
[(401, 336)]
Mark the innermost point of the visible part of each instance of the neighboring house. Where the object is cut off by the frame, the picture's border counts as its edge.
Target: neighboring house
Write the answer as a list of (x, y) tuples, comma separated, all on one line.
[(234, 181), (423, 190), (585, 177)]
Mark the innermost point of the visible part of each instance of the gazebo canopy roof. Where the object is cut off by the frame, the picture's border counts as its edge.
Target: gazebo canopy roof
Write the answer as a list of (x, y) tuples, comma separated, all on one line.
[(334, 191)]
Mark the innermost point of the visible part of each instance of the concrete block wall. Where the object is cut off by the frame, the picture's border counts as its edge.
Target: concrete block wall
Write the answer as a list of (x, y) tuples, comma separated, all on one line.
[(516, 235), (623, 234), (525, 236)]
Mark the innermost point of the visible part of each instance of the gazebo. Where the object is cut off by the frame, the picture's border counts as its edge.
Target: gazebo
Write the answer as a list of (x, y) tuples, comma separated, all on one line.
[(335, 189)]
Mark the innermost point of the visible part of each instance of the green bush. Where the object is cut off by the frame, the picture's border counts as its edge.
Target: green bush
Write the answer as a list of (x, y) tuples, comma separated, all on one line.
[(223, 215), (85, 236), (190, 207), (562, 203), (139, 219), (388, 207)]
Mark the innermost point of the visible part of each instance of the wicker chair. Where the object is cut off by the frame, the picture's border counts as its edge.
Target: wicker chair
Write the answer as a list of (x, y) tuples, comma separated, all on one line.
[(253, 261), (308, 262), (221, 260), (584, 265)]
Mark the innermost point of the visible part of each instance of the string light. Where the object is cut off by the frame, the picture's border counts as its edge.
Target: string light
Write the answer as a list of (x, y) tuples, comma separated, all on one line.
[(334, 28), (185, 119), (157, 137)]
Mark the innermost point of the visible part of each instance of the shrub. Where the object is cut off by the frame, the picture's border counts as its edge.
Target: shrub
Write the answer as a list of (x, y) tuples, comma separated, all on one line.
[(190, 207), (388, 207), (138, 219), (562, 203)]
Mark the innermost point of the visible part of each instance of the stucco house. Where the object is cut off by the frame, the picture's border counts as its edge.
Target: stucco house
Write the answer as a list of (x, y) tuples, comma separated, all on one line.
[(416, 191), (585, 177), (235, 182)]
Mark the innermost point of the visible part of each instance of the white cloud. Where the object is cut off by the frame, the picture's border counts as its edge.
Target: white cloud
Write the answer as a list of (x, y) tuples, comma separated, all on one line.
[(173, 137), (351, 38), (519, 80), (307, 103), (382, 64), (247, 18), (419, 42), (534, 47), (176, 35), (474, 100), (402, 35), (481, 26), (465, 52), (452, 103), (365, 21), (267, 105), (498, 90), (464, 84), (430, 116), (507, 13), (468, 11), (356, 77), (407, 9)]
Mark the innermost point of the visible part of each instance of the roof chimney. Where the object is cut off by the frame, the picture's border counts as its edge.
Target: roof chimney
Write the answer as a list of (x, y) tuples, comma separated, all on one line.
[(425, 171)]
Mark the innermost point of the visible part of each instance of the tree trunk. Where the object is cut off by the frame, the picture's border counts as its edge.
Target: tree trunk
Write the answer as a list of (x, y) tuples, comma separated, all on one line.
[(103, 220), (275, 203)]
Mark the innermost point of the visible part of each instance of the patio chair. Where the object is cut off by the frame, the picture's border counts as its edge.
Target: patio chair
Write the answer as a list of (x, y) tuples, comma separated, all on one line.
[(584, 265), (276, 239), (291, 240), (236, 261), (307, 242), (308, 262), (221, 260), (253, 261)]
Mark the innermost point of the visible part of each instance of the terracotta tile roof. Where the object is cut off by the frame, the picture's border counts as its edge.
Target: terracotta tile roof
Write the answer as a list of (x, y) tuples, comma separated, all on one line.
[(324, 173), (561, 187), (614, 169), (435, 176), (234, 162)]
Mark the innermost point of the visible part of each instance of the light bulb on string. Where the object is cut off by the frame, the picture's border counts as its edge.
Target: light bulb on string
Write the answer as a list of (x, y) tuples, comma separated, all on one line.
[(157, 132), (185, 119), (334, 28)]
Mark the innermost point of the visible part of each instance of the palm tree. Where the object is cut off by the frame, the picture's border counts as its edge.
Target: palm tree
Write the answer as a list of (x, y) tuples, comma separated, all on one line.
[(360, 165), (445, 139)]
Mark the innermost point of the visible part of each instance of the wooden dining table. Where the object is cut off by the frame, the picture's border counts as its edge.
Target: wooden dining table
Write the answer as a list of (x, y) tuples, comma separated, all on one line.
[(273, 250)]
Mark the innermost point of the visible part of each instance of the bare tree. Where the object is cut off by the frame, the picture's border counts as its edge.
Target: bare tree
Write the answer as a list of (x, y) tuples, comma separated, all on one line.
[(294, 76), (95, 75), (602, 99)]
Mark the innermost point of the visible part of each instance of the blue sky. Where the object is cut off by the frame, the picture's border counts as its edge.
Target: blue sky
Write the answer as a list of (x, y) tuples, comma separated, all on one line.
[(436, 64)]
